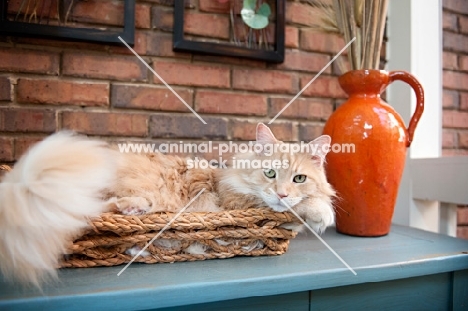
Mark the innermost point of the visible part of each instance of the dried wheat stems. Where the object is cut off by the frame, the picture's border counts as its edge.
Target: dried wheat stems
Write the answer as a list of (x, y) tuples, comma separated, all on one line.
[(362, 19)]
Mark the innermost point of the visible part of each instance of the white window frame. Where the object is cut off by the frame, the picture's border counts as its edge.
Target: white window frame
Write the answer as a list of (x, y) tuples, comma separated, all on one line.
[(415, 45)]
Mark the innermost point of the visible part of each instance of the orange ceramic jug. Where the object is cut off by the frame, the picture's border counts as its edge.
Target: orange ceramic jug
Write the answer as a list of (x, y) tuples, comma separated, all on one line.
[(367, 179)]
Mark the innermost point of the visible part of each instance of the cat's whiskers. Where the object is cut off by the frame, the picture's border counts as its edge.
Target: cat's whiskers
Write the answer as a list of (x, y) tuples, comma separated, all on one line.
[(346, 212), (336, 207)]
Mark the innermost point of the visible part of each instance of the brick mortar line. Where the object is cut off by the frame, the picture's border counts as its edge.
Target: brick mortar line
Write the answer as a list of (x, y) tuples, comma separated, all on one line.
[(65, 78), (57, 107), (60, 108), (45, 76), (95, 81), (299, 75)]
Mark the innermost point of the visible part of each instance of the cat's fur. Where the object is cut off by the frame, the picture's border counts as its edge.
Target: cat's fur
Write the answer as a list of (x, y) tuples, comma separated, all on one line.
[(61, 182)]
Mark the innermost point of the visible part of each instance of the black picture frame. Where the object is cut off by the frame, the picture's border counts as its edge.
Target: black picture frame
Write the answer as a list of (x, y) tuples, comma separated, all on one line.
[(15, 28), (184, 45)]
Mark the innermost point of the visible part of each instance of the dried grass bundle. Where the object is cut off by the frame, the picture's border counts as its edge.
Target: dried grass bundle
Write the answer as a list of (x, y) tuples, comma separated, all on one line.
[(44, 11), (362, 19)]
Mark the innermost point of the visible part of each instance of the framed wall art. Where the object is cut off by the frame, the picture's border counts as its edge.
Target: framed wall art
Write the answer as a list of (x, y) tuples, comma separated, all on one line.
[(239, 28), (69, 19)]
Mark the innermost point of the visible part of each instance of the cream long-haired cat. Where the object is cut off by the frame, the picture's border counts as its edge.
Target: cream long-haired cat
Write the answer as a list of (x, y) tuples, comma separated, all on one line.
[(63, 181)]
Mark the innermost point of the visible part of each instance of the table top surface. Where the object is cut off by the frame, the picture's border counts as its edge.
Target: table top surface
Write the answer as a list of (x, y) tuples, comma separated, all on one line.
[(308, 265)]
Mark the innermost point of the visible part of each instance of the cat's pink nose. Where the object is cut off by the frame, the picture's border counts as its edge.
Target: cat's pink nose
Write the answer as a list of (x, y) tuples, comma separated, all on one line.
[(282, 195)]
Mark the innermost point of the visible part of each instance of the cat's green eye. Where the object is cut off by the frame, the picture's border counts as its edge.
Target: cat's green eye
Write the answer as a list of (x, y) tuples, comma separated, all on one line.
[(299, 179), (270, 173)]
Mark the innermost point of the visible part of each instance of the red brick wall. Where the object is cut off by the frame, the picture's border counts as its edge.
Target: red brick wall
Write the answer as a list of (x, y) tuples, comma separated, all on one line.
[(103, 90), (455, 85)]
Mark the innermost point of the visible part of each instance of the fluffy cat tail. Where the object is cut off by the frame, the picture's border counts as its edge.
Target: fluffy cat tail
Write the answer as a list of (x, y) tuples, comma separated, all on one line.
[(46, 199)]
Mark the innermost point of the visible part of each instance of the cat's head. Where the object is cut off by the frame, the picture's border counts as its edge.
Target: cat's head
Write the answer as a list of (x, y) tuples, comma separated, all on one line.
[(278, 173)]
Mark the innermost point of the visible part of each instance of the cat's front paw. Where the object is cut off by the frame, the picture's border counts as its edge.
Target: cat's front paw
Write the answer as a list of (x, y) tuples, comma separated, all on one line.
[(320, 219), (132, 205), (318, 214), (134, 210)]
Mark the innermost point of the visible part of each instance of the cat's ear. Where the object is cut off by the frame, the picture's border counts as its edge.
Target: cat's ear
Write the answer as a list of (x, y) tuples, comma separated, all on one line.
[(319, 148), (264, 135)]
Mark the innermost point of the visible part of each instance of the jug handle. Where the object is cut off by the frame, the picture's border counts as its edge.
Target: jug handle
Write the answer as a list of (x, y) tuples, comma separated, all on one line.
[(419, 92)]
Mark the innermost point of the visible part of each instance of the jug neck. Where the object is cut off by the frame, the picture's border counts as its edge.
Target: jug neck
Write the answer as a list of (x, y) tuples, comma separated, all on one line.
[(364, 83)]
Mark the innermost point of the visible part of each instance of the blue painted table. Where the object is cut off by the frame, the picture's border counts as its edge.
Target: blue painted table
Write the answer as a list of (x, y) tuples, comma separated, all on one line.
[(407, 270)]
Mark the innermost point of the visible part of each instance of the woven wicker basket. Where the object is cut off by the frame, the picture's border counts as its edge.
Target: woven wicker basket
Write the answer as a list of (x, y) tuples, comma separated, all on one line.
[(251, 232)]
